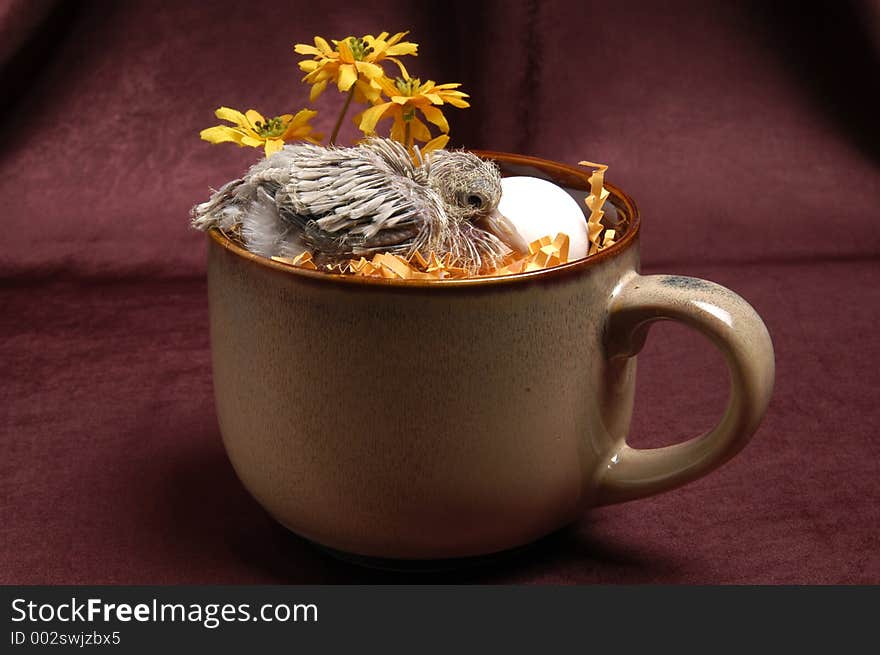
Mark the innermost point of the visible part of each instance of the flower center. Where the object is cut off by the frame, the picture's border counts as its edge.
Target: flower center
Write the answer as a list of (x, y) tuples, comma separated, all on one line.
[(359, 48), (409, 86), (274, 127)]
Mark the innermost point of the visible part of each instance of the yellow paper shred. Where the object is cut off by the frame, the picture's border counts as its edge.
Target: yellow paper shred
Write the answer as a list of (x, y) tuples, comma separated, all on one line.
[(303, 260), (608, 239), (543, 253), (595, 201), (561, 243), (512, 268), (434, 263), (419, 261), (393, 266), (536, 245)]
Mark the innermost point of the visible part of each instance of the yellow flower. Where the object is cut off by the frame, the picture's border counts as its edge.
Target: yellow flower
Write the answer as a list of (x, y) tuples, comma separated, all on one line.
[(251, 129), (381, 47), (354, 62), (407, 95)]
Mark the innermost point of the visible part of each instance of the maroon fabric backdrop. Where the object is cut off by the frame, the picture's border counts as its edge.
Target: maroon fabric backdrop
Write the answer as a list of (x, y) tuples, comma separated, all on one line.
[(747, 135)]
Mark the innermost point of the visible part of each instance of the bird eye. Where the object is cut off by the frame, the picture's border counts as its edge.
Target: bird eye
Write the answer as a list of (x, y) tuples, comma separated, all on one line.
[(475, 201)]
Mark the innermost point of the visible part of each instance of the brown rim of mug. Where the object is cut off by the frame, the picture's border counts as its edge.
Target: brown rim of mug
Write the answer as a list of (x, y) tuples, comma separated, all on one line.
[(570, 176)]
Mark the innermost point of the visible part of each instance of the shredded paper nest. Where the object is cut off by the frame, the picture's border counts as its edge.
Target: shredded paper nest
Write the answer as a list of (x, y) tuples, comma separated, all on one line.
[(543, 253)]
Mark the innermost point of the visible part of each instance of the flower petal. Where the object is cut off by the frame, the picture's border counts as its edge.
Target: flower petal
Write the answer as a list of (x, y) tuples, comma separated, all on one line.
[(305, 49), (347, 76), (387, 85), (405, 48), (419, 130), (455, 101), (298, 127), (437, 143), (231, 115), (323, 46), (436, 117), (254, 117), (403, 72), (317, 89), (326, 72), (221, 134), (251, 141), (345, 53), (371, 116), (370, 71), (394, 39), (368, 92), (303, 116), (398, 130), (273, 146)]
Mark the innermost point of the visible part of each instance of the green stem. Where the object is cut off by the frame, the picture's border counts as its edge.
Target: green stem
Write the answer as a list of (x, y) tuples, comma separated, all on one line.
[(341, 116), (407, 137)]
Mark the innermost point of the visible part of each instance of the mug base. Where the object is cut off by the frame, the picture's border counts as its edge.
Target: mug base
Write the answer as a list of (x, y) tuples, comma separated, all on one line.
[(425, 565)]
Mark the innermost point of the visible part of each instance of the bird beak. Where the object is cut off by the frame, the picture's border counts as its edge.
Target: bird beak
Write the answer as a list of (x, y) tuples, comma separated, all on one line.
[(498, 224)]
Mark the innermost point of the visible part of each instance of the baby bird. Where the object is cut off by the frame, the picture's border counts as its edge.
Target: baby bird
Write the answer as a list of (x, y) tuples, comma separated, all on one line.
[(340, 203)]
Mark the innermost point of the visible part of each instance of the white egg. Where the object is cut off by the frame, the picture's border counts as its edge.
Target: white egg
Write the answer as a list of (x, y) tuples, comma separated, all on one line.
[(539, 208)]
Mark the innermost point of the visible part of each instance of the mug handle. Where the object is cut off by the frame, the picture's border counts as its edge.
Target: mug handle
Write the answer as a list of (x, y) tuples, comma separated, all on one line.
[(736, 329)]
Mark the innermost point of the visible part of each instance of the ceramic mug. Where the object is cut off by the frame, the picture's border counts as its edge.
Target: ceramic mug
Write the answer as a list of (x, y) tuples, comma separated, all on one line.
[(442, 419)]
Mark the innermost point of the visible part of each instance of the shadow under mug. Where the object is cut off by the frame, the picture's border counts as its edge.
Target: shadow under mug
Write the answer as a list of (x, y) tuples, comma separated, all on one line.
[(442, 419)]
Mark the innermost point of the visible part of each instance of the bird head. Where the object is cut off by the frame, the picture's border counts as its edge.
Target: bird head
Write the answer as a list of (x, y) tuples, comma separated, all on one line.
[(470, 189)]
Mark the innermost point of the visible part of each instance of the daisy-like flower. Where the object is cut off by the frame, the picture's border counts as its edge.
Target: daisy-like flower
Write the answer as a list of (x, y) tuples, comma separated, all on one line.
[(406, 97), (353, 62), (252, 129)]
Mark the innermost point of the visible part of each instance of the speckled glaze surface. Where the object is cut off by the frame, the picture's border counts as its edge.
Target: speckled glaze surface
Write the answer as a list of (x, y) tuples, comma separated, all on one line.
[(449, 419)]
